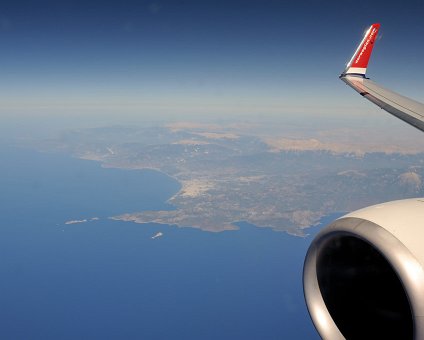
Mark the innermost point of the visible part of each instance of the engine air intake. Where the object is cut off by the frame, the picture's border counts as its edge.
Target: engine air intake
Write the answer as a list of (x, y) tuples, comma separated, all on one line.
[(363, 276), (361, 290)]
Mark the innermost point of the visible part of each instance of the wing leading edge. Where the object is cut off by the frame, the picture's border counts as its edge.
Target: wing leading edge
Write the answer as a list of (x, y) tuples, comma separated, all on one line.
[(410, 111)]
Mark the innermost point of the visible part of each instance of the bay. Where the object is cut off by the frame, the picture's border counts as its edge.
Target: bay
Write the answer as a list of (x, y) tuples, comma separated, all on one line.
[(106, 279)]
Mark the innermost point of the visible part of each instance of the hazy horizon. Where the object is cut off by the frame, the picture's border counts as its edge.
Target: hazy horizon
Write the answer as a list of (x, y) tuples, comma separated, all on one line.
[(209, 59)]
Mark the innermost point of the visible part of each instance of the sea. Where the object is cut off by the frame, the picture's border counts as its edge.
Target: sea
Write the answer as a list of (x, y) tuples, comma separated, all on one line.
[(97, 278)]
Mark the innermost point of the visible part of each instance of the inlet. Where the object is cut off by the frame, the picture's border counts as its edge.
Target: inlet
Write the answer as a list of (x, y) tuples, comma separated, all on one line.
[(362, 291)]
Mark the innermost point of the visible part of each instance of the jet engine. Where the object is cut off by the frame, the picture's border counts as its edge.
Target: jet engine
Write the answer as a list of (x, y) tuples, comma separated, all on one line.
[(363, 276)]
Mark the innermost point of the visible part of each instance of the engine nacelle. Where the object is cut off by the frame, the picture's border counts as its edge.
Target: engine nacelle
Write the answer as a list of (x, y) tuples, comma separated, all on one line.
[(363, 276)]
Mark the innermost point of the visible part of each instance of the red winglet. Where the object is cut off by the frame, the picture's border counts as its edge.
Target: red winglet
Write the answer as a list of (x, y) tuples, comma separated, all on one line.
[(359, 62)]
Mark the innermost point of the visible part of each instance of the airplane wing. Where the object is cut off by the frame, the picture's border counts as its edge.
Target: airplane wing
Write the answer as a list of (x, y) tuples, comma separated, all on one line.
[(363, 276), (402, 107)]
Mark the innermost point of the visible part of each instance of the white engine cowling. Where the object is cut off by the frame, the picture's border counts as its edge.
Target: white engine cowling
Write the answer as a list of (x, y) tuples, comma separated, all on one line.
[(363, 276)]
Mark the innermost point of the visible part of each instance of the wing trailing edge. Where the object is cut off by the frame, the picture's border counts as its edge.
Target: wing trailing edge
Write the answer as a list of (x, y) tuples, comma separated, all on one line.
[(404, 108)]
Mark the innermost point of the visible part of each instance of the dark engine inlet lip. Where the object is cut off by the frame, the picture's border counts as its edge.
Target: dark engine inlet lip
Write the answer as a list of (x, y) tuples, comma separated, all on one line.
[(405, 264)]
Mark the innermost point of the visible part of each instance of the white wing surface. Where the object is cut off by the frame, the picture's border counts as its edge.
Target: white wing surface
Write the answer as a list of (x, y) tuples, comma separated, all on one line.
[(402, 107)]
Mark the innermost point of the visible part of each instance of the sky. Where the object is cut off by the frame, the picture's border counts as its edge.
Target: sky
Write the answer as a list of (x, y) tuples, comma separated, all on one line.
[(187, 58)]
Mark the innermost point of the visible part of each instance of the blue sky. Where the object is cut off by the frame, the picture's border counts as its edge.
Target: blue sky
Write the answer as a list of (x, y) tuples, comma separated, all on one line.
[(199, 57)]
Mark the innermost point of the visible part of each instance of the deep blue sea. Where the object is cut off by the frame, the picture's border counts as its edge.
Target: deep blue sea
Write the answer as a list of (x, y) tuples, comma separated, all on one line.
[(107, 279)]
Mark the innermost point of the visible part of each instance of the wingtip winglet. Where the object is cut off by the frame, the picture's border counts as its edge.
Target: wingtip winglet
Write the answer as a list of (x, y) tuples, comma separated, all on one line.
[(359, 61)]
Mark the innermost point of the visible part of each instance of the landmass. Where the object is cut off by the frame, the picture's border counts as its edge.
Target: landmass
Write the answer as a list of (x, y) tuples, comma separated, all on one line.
[(159, 234), (85, 220), (284, 180), (76, 221)]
